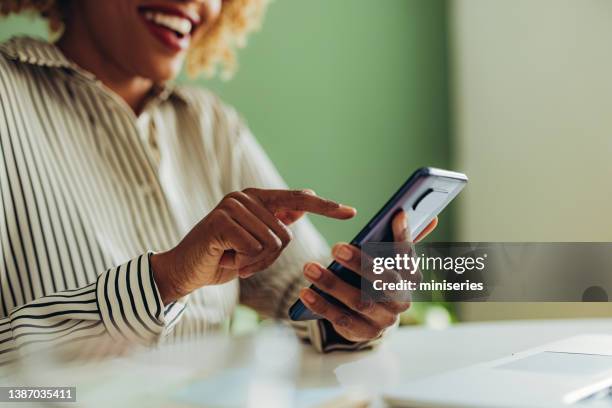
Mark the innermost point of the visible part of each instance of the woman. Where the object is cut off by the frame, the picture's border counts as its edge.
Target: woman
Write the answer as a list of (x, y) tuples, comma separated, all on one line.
[(107, 170)]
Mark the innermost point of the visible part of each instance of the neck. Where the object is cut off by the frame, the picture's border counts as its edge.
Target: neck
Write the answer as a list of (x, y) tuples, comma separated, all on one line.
[(78, 45)]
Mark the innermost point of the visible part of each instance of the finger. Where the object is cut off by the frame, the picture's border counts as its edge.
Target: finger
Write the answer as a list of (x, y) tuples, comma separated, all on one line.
[(348, 324), (354, 259), (301, 200), (399, 226), (350, 296), (350, 257), (237, 242), (428, 229), (265, 216), (289, 217), (269, 241), (249, 270)]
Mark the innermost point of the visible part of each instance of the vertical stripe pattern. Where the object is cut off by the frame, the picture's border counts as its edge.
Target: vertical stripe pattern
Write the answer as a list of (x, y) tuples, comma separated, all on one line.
[(88, 191)]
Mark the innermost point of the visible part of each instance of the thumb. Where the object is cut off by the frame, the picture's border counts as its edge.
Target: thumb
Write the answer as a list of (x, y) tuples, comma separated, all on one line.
[(399, 226)]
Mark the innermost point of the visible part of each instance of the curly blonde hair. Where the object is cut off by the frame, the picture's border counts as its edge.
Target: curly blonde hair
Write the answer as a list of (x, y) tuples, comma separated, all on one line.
[(212, 50)]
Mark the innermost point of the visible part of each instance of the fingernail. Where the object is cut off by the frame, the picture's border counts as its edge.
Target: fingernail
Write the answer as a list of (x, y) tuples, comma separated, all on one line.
[(312, 272), (348, 208), (343, 252), (308, 296)]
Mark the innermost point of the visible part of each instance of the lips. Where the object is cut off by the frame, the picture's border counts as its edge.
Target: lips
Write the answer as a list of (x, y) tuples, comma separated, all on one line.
[(172, 26)]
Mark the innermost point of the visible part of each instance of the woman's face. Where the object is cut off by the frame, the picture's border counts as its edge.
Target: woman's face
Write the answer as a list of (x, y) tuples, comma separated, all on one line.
[(147, 38)]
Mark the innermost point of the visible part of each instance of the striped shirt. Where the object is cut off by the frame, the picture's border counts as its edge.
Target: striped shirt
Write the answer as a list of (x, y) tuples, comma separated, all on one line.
[(89, 190)]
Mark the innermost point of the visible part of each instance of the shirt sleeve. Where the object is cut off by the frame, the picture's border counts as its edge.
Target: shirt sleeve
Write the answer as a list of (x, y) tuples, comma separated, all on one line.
[(273, 291), (123, 303)]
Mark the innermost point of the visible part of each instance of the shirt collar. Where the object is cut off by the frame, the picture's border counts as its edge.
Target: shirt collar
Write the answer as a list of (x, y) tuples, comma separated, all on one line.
[(35, 51), (39, 52)]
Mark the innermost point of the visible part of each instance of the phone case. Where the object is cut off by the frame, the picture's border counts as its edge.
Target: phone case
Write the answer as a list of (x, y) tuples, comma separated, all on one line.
[(423, 196)]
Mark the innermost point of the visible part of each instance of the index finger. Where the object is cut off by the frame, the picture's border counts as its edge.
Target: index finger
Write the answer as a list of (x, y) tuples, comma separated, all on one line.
[(363, 264), (302, 200)]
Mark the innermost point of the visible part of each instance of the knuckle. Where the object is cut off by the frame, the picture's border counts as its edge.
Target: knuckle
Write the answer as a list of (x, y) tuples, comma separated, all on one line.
[(285, 241), (221, 215), (328, 280), (307, 191), (233, 195), (285, 234), (271, 242), (374, 332), (240, 196), (395, 307), (276, 244), (400, 307), (232, 204), (388, 321), (343, 320), (365, 306), (255, 247), (296, 197), (394, 277), (320, 306), (251, 191)]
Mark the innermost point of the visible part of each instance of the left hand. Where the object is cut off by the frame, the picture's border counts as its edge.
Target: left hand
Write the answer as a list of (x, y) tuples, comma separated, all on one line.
[(360, 320)]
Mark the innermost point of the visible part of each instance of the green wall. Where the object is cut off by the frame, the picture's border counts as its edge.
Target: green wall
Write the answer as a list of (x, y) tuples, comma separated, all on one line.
[(347, 97)]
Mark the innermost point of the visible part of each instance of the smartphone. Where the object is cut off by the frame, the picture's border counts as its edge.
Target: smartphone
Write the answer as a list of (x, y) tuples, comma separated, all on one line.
[(423, 196)]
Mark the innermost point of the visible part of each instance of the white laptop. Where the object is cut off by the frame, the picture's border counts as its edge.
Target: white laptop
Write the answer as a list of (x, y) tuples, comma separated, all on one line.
[(575, 372)]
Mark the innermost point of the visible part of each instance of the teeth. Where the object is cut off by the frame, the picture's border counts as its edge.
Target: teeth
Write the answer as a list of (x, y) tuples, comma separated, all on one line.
[(179, 24)]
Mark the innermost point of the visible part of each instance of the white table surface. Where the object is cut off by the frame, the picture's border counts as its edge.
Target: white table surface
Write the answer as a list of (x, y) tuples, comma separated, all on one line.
[(416, 352), (424, 351), (409, 353)]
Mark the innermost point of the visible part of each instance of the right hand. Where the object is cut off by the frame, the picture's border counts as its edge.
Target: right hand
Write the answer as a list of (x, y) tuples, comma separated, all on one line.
[(244, 234)]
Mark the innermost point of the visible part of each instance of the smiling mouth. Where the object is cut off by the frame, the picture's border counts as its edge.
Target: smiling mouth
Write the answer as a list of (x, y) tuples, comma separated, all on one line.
[(181, 26), (170, 25)]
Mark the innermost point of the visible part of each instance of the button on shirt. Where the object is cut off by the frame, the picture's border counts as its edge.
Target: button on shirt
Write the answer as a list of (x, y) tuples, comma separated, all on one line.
[(89, 191)]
